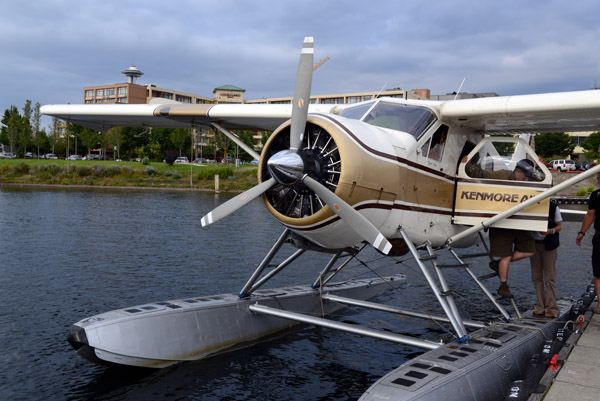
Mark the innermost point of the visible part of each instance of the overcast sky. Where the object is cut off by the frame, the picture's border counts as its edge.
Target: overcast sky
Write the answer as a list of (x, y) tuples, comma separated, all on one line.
[(51, 49)]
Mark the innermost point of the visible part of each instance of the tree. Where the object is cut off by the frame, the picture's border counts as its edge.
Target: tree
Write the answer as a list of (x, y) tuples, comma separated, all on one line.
[(554, 144), (89, 138), (11, 126), (36, 126), (25, 132), (54, 134), (592, 146), (248, 138), (180, 138), (132, 138)]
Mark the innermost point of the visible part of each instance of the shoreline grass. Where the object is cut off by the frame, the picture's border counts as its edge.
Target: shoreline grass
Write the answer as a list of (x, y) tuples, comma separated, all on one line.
[(97, 173)]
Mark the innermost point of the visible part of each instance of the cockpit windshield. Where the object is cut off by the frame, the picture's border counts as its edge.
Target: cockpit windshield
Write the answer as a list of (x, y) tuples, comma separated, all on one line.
[(396, 116)]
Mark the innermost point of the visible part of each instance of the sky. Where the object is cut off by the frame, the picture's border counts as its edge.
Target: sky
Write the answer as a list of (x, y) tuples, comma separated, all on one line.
[(50, 50)]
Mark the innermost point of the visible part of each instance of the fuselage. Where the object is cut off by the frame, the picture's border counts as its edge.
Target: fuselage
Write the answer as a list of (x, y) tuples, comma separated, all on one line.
[(397, 166)]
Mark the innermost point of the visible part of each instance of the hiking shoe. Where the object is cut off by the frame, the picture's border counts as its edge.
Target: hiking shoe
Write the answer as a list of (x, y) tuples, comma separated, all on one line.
[(535, 313), (504, 291), (549, 315), (494, 265)]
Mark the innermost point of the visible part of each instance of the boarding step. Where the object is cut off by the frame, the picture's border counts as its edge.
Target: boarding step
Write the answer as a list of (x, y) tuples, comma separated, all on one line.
[(474, 255), (454, 265), (428, 257), (487, 276)]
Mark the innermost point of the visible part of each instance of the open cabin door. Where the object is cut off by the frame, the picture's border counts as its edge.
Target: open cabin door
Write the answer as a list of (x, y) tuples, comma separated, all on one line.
[(487, 185)]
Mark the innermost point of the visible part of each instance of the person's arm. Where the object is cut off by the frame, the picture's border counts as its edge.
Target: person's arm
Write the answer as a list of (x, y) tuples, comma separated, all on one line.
[(587, 222)]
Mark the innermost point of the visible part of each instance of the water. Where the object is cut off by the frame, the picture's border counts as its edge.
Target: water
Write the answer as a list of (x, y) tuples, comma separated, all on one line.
[(69, 254)]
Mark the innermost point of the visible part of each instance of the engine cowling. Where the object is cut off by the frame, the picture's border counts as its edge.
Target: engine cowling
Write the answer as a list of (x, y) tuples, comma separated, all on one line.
[(336, 152)]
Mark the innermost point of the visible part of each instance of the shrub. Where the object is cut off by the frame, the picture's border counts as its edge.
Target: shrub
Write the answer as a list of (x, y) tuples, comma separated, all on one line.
[(98, 170), (113, 170), (582, 192), (21, 168), (590, 189), (145, 161), (208, 173), (126, 170), (151, 170), (84, 171), (54, 169)]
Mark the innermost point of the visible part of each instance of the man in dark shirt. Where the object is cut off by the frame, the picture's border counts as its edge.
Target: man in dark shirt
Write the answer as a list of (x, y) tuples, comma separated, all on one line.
[(593, 217)]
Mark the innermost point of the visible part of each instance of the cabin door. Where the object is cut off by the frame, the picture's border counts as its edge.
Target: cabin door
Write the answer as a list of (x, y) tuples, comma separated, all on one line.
[(497, 174)]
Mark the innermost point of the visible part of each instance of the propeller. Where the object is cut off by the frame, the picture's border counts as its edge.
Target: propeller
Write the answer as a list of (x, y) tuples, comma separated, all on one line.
[(302, 93), (289, 167)]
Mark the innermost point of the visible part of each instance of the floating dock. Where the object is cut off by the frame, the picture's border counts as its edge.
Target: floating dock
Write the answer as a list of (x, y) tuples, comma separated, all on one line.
[(579, 376)]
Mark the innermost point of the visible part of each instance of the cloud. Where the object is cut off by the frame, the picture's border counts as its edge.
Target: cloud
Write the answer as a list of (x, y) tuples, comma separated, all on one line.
[(55, 48)]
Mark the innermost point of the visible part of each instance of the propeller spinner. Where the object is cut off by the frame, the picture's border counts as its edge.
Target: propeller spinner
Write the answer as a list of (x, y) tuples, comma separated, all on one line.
[(294, 166)]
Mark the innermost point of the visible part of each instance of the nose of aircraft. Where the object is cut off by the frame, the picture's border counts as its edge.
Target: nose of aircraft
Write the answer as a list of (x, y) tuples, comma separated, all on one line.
[(286, 166)]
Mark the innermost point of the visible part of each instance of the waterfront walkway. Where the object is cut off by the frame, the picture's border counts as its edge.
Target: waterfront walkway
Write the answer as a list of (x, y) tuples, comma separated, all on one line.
[(579, 377)]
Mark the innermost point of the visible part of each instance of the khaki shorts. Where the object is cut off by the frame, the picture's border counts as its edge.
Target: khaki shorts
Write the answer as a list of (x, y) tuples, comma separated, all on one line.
[(503, 239)]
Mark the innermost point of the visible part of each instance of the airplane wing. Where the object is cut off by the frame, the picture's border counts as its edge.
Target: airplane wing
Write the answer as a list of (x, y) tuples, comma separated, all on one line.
[(104, 116), (550, 112)]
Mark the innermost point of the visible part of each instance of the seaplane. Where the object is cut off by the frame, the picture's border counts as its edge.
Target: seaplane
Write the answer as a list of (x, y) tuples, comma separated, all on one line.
[(386, 173)]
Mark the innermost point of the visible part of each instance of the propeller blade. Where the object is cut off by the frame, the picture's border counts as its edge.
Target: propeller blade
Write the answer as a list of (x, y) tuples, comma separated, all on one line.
[(353, 218), (302, 93), (235, 203)]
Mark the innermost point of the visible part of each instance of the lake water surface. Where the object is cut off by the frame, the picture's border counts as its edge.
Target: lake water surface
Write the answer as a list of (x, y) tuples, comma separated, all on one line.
[(69, 254)]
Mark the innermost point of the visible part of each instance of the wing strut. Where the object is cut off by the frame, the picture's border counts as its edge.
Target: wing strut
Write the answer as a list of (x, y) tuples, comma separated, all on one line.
[(237, 140)]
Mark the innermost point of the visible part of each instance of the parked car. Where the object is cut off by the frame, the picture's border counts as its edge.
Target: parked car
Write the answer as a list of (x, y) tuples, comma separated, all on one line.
[(182, 159), (563, 165), (254, 162), (581, 166), (199, 160), (51, 156), (4, 155), (74, 157), (92, 157)]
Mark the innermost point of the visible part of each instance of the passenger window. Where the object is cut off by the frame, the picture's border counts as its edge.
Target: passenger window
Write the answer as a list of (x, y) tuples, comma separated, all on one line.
[(501, 160)]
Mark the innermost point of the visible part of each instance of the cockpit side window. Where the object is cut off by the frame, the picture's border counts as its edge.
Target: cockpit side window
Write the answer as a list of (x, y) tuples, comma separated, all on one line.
[(438, 142), (400, 117)]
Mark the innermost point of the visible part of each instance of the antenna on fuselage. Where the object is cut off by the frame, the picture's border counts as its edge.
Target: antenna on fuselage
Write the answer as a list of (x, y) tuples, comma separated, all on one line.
[(380, 90), (459, 88)]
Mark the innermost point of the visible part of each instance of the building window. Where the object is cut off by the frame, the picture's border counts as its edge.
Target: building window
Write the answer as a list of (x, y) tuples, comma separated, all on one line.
[(109, 92), (122, 91), (89, 93), (121, 100), (166, 95), (99, 92), (89, 101), (183, 99), (333, 100)]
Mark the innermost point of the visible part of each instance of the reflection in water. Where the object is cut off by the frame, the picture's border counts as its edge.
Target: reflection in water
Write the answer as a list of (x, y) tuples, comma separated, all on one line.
[(70, 254)]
